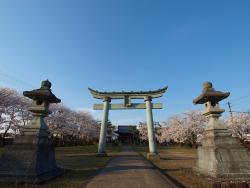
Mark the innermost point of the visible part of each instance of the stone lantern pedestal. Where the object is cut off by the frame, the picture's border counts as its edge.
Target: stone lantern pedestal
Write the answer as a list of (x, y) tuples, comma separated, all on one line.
[(31, 158), (220, 155)]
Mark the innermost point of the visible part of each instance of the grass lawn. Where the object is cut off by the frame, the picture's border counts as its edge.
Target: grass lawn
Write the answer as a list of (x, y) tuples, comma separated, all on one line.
[(80, 164)]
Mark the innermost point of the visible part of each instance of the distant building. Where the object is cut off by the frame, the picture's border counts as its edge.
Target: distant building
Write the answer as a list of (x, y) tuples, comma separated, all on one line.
[(128, 134)]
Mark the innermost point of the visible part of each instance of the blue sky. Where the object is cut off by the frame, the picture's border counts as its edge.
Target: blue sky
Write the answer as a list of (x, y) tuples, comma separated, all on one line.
[(127, 45)]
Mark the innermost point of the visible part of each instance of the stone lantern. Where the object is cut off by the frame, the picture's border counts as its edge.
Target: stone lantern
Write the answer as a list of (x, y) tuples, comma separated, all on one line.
[(41, 99), (220, 155), (32, 157)]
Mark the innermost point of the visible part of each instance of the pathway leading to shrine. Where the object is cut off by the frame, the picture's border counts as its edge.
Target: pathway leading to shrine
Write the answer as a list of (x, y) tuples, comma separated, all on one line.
[(129, 169)]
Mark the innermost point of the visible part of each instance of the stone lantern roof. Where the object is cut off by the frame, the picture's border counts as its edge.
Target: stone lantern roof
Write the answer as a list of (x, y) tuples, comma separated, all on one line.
[(44, 93), (209, 94)]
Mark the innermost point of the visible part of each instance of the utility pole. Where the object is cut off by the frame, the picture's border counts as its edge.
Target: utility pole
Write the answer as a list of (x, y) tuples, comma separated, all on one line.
[(230, 111)]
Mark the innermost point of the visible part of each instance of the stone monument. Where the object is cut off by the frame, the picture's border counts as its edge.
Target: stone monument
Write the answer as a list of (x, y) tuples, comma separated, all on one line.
[(31, 158), (220, 155)]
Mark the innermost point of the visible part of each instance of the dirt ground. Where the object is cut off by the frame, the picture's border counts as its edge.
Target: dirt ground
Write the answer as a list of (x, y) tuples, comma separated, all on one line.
[(177, 163)]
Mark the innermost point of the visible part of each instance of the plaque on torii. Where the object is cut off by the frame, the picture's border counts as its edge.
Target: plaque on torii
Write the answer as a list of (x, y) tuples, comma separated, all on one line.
[(128, 105)]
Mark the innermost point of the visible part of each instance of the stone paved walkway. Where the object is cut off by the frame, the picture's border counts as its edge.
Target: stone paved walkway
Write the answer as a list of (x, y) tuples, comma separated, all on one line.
[(129, 170)]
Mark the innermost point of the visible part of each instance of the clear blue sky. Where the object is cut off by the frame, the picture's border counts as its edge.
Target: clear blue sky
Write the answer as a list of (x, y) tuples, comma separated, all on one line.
[(127, 45)]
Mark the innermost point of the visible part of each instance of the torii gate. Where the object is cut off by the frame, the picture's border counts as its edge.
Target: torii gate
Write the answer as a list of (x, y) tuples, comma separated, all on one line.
[(128, 105)]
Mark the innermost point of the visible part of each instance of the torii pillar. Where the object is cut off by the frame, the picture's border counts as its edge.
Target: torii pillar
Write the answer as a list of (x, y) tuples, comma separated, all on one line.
[(103, 131), (150, 125)]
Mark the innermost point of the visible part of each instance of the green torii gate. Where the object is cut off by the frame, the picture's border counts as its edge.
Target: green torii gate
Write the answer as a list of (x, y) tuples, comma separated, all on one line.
[(128, 105)]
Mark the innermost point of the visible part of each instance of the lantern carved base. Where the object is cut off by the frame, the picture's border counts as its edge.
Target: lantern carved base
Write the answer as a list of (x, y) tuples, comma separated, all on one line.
[(29, 160), (222, 156)]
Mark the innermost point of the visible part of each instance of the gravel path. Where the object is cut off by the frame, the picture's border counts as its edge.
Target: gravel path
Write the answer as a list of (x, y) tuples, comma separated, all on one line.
[(129, 170)]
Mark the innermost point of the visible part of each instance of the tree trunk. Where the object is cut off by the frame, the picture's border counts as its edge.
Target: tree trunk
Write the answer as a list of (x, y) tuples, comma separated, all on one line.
[(5, 133)]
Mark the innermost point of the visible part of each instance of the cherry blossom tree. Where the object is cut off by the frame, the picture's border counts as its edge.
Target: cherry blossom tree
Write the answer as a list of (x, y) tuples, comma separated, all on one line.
[(174, 129), (66, 124), (143, 131), (195, 124), (13, 111), (60, 120), (183, 128), (88, 127), (240, 125), (163, 135)]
